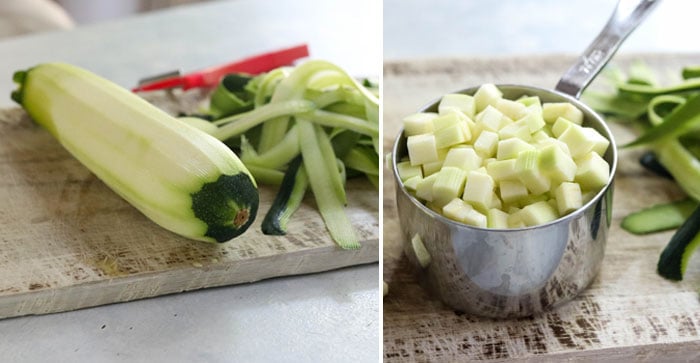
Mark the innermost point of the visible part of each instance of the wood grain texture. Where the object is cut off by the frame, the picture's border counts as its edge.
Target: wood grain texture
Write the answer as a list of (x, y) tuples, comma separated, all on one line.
[(68, 242), (628, 314)]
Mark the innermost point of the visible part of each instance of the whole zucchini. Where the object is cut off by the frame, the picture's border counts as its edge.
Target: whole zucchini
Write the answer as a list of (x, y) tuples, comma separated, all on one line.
[(181, 178)]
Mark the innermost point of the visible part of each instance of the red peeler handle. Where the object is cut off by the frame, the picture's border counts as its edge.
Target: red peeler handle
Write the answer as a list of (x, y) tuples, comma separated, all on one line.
[(210, 77)]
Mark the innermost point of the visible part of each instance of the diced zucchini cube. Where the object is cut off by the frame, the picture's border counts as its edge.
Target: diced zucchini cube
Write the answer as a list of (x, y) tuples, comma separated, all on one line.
[(600, 143), (467, 131), (560, 125), (512, 191), (420, 251), (529, 173), (497, 218), (578, 141), (534, 198), (464, 103), (486, 144), (424, 188), (479, 190), (557, 164), (447, 120), (513, 110), (530, 101), (464, 158), (533, 120), (515, 220), (552, 141), (412, 183), (456, 209), (487, 94), (407, 171), (510, 148), (496, 201), (451, 135), (490, 119), (518, 130), (553, 110), (432, 168), (418, 123), (475, 218), (461, 211), (449, 184), (593, 172), (422, 149), (568, 197), (538, 213), (540, 135), (502, 170)]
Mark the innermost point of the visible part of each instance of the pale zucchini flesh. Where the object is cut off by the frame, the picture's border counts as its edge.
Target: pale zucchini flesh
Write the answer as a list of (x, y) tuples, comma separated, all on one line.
[(178, 176)]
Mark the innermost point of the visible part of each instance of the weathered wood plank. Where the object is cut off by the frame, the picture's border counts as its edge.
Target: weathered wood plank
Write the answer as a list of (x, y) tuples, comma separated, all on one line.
[(628, 314), (68, 242)]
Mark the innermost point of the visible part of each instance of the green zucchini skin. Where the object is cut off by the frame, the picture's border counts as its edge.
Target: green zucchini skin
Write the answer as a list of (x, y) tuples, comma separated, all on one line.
[(660, 217), (287, 201), (180, 177), (675, 256)]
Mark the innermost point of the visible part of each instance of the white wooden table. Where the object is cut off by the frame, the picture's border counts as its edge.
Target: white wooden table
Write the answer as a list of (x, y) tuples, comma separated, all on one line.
[(332, 316)]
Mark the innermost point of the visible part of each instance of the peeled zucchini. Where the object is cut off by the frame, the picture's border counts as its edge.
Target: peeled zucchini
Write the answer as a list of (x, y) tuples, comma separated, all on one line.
[(180, 177)]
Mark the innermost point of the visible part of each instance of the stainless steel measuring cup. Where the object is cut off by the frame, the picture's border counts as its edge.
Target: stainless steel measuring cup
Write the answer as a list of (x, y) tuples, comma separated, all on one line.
[(525, 271)]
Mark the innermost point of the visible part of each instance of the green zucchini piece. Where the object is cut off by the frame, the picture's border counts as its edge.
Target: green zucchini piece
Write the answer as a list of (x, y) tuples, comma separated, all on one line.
[(326, 183), (649, 161), (231, 96), (287, 200), (660, 217), (180, 177), (674, 258), (682, 119)]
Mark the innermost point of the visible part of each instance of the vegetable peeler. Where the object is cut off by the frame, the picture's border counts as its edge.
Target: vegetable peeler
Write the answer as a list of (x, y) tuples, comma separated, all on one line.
[(210, 77)]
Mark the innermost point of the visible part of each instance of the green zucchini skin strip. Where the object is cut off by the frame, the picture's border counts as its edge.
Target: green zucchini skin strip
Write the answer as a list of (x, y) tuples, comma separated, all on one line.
[(266, 175), (660, 217), (157, 163), (690, 84), (675, 256), (275, 158), (651, 162), (238, 124), (683, 118), (325, 182), (287, 200), (681, 164), (690, 72), (361, 159), (332, 119)]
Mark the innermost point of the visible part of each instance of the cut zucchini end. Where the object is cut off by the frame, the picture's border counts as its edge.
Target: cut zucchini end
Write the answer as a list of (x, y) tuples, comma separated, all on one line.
[(18, 77), (227, 205)]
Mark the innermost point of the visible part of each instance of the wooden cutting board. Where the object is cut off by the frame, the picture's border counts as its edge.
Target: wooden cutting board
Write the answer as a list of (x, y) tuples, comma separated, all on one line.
[(68, 242), (628, 314)]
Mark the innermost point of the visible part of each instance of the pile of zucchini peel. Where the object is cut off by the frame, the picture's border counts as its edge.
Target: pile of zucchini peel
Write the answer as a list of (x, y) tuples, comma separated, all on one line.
[(669, 120), (180, 177), (310, 127)]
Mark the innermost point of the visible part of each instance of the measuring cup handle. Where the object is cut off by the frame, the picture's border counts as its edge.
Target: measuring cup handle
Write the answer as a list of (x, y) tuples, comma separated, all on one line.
[(627, 16)]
